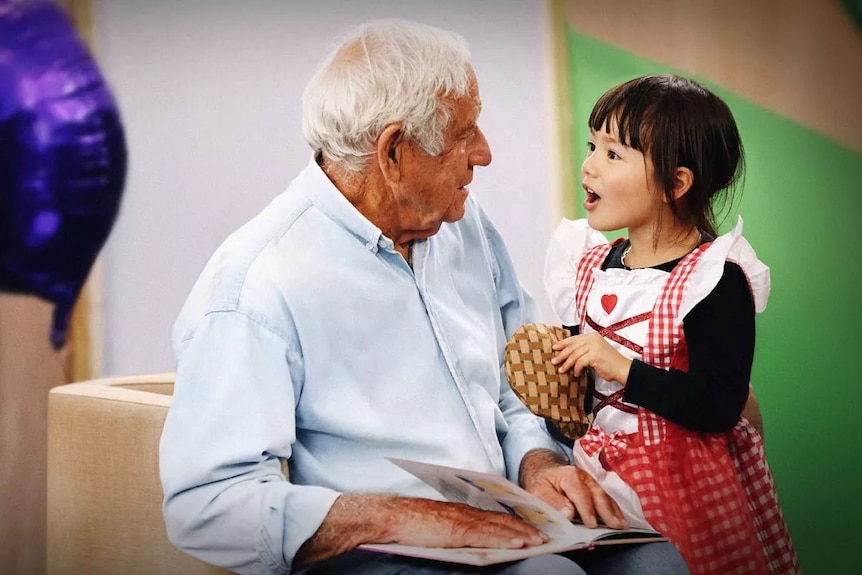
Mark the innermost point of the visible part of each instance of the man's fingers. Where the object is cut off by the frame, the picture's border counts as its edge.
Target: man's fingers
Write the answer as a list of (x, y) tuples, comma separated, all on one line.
[(591, 500), (556, 500), (498, 530), (586, 511), (442, 524), (581, 496), (606, 507)]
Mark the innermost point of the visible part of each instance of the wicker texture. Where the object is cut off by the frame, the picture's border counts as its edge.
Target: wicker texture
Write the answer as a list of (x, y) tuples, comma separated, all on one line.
[(558, 397)]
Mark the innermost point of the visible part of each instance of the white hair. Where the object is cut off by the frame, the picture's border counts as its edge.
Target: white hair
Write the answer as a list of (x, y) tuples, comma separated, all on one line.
[(384, 72)]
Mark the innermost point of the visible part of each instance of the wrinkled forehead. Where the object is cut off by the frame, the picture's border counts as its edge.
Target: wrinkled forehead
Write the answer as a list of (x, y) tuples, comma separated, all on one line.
[(464, 108)]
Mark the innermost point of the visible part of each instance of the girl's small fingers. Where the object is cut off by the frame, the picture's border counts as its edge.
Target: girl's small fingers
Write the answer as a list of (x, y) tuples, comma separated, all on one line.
[(560, 357), (577, 366)]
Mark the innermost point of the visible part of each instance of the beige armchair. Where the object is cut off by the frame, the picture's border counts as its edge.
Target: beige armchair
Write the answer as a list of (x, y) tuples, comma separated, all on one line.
[(104, 494)]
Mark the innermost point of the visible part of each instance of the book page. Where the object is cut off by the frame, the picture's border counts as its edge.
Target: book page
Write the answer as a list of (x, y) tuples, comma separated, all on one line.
[(492, 493), (495, 493)]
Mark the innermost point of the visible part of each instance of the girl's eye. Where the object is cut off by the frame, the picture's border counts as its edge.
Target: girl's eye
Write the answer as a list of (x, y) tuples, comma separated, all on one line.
[(612, 155), (591, 146)]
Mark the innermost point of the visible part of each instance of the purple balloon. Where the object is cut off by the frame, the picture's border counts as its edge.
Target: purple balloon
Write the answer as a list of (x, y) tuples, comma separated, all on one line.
[(62, 157)]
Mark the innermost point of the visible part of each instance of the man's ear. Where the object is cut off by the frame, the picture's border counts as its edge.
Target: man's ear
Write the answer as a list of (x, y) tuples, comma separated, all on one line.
[(389, 149), (683, 178)]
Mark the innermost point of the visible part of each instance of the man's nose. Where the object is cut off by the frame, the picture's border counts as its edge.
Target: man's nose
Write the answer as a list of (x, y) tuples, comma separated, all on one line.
[(480, 151)]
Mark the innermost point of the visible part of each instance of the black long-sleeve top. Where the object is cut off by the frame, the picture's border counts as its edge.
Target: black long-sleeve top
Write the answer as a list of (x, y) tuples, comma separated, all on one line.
[(720, 335)]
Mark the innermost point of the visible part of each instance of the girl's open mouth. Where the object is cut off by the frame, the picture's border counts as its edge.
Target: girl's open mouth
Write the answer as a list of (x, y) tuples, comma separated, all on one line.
[(592, 198)]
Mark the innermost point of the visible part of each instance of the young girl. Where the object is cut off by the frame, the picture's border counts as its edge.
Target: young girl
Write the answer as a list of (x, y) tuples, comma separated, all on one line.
[(665, 322)]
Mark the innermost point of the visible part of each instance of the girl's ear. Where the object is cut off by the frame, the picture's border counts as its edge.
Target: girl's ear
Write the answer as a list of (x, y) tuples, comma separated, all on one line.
[(389, 150), (683, 178)]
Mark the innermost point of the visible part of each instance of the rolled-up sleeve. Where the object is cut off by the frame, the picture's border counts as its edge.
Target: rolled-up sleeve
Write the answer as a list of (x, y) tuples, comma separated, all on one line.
[(226, 500)]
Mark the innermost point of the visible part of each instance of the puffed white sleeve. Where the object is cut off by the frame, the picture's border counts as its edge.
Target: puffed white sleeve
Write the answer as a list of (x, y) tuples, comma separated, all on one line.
[(568, 243), (731, 246)]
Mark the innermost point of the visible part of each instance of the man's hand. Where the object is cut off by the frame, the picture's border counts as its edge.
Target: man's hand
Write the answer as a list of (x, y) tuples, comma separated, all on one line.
[(356, 519), (428, 523), (569, 489)]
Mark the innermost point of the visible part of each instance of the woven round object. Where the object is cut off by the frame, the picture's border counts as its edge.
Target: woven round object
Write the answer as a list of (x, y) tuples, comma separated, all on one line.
[(558, 397)]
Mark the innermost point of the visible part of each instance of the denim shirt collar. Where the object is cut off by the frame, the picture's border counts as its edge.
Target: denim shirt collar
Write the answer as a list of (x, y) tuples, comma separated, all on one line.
[(327, 198)]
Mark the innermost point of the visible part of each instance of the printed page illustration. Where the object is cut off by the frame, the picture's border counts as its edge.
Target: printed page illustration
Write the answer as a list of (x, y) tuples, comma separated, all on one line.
[(494, 493)]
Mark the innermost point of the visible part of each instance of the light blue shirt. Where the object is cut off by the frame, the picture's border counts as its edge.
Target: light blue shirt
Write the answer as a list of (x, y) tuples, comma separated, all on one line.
[(309, 337)]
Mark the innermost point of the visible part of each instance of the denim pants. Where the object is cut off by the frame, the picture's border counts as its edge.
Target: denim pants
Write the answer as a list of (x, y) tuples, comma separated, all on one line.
[(639, 559)]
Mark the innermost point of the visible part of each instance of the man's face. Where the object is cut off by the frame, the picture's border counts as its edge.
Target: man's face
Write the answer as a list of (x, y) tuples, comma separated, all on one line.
[(433, 189)]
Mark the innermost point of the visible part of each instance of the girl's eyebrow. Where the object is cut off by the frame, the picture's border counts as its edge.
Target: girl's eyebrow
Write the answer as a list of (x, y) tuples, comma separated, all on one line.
[(604, 136)]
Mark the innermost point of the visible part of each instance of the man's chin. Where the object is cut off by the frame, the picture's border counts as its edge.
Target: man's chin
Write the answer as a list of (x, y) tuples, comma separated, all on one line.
[(456, 210)]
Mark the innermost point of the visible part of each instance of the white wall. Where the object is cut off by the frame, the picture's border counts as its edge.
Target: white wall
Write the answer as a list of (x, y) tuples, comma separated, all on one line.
[(210, 96)]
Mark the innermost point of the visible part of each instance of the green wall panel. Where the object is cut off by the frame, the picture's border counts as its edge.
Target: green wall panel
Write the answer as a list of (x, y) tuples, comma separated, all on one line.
[(800, 192)]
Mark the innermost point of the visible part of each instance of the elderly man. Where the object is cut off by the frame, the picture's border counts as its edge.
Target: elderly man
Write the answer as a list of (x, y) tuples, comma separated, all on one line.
[(362, 315)]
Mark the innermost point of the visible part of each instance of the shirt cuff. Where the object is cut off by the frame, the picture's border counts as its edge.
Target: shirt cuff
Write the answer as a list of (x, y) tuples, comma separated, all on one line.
[(288, 526)]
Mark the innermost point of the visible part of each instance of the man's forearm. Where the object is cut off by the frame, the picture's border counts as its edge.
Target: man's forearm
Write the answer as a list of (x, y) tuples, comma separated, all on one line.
[(352, 520), (356, 519)]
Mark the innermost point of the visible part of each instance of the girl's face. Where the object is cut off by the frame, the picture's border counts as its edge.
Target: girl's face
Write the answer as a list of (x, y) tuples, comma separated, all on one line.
[(617, 181)]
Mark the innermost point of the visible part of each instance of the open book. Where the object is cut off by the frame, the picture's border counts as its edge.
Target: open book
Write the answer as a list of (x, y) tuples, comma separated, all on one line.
[(495, 493)]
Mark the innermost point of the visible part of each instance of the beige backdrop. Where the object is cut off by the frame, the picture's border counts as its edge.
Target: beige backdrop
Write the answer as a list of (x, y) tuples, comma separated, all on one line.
[(799, 58)]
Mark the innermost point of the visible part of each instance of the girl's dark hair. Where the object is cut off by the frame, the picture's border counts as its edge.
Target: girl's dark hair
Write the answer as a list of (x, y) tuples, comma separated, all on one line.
[(676, 122)]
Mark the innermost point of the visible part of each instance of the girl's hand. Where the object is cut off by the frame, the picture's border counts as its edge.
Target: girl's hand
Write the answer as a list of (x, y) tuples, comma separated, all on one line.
[(591, 350)]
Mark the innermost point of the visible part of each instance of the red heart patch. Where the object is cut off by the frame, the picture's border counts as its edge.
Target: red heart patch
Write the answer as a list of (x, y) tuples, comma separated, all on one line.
[(609, 302)]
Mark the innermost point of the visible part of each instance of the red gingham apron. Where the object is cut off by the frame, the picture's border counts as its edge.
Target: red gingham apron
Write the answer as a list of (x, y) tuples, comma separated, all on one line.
[(711, 494)]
